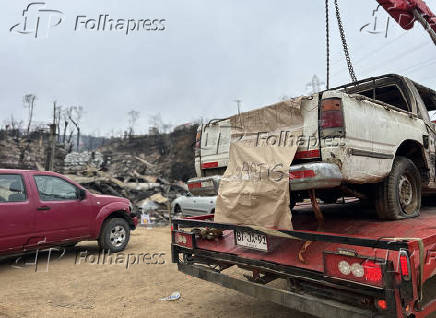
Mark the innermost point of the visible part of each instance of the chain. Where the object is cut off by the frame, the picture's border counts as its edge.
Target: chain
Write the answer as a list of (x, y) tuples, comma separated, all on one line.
[(327, 36), (344, 43)]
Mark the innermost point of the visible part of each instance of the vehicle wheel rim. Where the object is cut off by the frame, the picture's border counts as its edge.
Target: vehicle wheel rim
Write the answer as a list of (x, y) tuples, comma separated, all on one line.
[(405, 192), (118, 235)]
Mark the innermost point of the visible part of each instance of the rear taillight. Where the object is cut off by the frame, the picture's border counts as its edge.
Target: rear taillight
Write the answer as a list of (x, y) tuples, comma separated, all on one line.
[(183, 239), (194, 185), (358, 269), (200, 184), (382, 304), (209, 165), (301, 174), (331, 113), (373, 272), (307, 154), (404, 265)]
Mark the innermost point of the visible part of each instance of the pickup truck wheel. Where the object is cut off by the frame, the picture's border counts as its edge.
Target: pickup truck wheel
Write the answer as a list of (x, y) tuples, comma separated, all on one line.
[(399, 195), (115, 235)]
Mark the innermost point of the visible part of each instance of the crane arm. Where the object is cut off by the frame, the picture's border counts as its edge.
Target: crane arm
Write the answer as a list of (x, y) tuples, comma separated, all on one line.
[(406, 12)]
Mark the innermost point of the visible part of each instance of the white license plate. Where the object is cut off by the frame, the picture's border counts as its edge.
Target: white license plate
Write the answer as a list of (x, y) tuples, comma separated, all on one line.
[(251, 240)]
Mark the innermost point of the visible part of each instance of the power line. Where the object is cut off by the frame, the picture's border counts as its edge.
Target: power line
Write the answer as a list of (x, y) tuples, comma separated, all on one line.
[(419, 66), (398, 56), (372, 52)]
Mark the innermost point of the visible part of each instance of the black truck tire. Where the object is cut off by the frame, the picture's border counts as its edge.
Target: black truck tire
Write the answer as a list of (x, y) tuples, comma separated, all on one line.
[(399, 195), (114, 235)]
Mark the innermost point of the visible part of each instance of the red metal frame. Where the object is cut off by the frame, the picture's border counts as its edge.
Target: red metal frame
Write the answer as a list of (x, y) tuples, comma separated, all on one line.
[(283, 251)]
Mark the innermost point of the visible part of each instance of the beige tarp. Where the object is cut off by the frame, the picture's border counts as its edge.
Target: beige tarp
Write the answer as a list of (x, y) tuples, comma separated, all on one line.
[(255, 187)]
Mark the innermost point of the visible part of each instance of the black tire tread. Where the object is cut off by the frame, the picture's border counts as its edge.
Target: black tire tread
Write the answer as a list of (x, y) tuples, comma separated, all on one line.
[(386, 200)]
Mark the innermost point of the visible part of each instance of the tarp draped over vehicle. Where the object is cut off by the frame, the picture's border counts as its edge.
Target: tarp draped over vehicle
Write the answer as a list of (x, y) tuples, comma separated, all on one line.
[(402, 12), (255, 187)]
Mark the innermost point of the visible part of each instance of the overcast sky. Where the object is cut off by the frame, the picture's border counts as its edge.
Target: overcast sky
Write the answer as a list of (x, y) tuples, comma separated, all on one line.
[(210, 53)]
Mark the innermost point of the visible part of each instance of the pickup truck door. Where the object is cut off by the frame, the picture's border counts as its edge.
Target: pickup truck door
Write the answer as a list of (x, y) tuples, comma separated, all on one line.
[(16, 215), (60, 214)]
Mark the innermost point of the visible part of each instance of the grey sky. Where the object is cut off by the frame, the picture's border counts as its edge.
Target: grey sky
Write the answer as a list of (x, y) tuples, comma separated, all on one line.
[(211, 53)]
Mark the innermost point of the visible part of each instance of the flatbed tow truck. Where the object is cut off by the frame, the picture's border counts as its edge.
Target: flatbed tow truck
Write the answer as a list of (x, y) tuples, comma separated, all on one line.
[(358, 266)]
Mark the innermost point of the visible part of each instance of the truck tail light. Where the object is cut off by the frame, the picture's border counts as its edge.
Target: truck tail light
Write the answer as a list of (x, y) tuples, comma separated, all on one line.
[(354, 268), (205, 184), (197, 143), (404, 265), (382, 304), (209, 165), (331, 113), (307, 154), (183, 239), (301, 174), (194, 185), (373, 272)]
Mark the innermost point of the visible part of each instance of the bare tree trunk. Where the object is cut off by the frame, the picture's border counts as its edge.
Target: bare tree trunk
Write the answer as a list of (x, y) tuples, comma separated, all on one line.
[(30, 116), (78, 138), (65, 131)]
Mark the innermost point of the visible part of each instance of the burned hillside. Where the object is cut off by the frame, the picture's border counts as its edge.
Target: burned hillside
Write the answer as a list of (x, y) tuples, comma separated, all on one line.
[(28, 152), (168, 156)]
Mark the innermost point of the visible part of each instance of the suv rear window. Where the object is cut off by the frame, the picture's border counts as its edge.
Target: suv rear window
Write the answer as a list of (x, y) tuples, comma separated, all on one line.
[(12, 188), (390, 94)]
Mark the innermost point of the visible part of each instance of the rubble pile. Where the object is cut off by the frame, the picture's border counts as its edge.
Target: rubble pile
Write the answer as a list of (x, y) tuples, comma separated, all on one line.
[(170, 156), (77, 161), (150, 170), (154, 196)]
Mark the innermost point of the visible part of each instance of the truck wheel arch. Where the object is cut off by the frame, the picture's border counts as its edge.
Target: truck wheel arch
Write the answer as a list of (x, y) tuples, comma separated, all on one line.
[(109, 213), (414, 151)]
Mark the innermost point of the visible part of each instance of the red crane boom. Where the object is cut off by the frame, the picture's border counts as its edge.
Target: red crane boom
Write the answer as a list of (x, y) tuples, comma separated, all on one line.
[(406, 12)]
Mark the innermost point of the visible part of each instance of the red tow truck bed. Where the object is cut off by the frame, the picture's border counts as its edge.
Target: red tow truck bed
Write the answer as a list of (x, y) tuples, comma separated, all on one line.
[(357, 267)]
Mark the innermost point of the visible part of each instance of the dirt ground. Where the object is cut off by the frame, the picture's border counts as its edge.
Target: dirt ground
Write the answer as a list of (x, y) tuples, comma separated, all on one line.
[(68, 288)]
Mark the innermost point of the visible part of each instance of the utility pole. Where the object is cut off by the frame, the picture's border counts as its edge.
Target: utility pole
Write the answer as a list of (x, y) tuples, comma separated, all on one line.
[(315, 85), (238, 104), (52, 140)]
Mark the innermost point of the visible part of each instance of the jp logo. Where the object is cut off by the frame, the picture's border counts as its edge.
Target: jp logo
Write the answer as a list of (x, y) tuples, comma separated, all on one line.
[(37, 20)]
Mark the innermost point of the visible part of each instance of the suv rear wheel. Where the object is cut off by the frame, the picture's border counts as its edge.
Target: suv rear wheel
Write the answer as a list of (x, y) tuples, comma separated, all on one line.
[(399, 195), (115, 235)]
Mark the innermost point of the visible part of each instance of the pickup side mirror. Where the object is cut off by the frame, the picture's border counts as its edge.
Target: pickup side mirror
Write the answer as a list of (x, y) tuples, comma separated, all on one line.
[(81, 193)]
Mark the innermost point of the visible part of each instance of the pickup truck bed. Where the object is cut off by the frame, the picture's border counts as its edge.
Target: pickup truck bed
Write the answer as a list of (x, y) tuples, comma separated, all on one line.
[(312, 289)]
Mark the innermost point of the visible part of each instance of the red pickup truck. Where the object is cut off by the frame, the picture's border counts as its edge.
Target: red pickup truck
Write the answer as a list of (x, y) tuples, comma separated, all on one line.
[(43, 209), (357, 266)]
